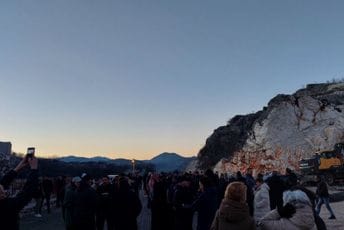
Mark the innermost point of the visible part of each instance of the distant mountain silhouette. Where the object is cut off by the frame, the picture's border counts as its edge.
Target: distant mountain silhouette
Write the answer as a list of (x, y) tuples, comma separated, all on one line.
[(169, 162), (74, 159), (166, 162)]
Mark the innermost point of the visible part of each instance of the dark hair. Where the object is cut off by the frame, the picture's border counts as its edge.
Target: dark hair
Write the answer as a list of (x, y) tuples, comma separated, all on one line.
[(205, 181), (260, 178)]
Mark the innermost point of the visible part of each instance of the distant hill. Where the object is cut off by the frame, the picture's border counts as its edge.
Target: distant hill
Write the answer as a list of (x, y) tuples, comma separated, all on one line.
[(166, 162), (169, 162), (97, 159), (74, 159)]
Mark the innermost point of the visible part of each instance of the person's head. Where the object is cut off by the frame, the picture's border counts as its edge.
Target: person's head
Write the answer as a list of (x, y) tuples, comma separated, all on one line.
[(86, 179), (238, 175), (2, 193), (209, 173), (288, 171), (297, 198), (249, 171), (204, 183), (76, 181), (236, 191), (124, 184), (259, 179), (105, 180)]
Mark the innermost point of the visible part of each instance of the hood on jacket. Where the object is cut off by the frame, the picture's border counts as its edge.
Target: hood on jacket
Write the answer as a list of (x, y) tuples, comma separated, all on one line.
[(233, 211), (263, 186), (303, 218)]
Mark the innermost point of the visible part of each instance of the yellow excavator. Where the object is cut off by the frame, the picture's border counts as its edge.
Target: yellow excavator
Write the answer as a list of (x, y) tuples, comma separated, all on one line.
[(329, 164)]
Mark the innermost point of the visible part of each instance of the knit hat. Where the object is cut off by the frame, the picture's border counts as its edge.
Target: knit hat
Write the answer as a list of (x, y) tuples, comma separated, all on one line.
[(76, 179), (296, 197)]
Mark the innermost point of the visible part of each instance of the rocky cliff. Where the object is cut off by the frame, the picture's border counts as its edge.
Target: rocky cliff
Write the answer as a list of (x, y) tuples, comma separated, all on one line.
[(288, 128)]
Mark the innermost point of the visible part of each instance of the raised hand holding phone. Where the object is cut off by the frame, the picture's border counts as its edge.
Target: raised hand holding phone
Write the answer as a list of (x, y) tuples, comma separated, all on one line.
[(30, 152)]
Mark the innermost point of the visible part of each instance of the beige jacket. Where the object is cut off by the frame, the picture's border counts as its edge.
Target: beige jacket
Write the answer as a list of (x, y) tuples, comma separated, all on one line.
[(233, 215), (303, 219)]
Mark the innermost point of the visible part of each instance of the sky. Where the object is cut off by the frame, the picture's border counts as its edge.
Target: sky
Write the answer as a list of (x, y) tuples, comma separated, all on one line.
[(136, 78)]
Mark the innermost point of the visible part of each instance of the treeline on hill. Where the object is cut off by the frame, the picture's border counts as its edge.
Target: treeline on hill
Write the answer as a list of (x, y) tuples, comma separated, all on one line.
[(54, 168)]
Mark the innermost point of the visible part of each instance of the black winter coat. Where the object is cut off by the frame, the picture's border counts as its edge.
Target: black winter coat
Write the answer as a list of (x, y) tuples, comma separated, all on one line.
[(206, 206), (10, 207), (84, 208)]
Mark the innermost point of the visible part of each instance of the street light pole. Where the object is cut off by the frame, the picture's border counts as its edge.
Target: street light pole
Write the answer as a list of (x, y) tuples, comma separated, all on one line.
[(133, 165)]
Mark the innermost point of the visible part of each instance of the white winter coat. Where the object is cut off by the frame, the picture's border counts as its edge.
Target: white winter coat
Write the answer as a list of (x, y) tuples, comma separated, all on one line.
[(261, 201), (302, 219)]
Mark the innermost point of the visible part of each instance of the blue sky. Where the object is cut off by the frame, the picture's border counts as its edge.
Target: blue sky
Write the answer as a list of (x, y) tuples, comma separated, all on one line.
[(136, 78)]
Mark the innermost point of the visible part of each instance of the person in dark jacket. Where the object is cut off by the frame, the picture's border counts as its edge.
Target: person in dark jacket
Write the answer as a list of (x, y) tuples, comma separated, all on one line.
[(159, 206), (104, 192), (206, 204), (183, 195), (47, 186), (277, 187), (84, 206), (59, 187), (291, 178), (323, 198), (250, 187), (251, 184), (10, 207), (128, 206), (67, 205), (38, 197)]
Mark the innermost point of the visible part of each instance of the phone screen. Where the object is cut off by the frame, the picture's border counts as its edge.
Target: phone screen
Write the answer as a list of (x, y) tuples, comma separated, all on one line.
[(30, 151)]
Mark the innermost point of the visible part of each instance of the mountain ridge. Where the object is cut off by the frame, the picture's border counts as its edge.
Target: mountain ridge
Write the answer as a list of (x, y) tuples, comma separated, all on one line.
[(163, 162)]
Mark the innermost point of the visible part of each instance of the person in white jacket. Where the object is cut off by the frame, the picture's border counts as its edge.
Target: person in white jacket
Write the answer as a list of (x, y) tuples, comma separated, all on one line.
[(296, 214), (261, 199)]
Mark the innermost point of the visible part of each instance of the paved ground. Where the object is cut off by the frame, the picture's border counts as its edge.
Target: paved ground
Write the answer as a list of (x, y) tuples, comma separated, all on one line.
[(338, 209), (54, 220)]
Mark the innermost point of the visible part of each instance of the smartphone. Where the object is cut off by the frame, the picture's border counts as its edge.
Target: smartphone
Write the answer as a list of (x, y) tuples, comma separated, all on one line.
[(30, 152)]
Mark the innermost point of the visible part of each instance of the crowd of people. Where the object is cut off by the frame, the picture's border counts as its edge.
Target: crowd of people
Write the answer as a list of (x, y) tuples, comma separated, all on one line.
[(241, 201)]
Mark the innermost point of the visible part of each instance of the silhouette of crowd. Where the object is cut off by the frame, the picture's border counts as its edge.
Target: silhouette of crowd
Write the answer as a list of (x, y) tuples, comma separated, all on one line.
[(218, 202)]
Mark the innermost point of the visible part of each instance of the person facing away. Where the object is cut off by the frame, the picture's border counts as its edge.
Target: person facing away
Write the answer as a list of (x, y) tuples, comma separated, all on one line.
[(323, 198), (67, 205), (10, 207), (206, 204), (104, 201), (183, 194), (250, 187), (277, 187), (38, 197), (261, 198), (47, 185), (233, 212), (291, 178), (83, 206), (312, 198), (295, 214), (127, 206)]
